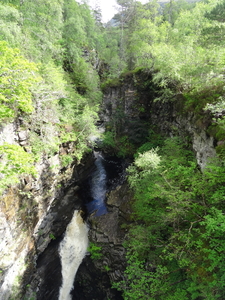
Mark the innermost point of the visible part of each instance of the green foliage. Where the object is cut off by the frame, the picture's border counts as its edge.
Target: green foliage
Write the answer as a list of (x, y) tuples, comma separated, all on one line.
[(95, 251), (16, 80), (148, 160), (124, 146), (73, 31), (10, 25), (42, 29), (66, 160), (52, 237), (109, 140), (107, 268), (174, 8), (15, 162), (183, 47), (114, 82), (120, 145), (57, 97), (174, 249)]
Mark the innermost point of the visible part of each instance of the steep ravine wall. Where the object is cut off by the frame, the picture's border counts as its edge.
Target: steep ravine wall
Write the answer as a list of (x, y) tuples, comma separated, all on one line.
[(128, 109), (96, 275), (35, 213), (33, 216), (135, 98)]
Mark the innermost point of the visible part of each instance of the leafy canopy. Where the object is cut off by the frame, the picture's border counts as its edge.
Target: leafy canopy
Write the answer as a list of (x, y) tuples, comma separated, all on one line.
[(17, 76), (14, 163), (175, 246)]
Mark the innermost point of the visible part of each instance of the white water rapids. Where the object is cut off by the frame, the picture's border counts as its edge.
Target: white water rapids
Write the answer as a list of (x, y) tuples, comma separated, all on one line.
[(72, 250), (74, 245)]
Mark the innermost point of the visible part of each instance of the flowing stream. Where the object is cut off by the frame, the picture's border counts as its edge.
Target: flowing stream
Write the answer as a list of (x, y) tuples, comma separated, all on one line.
[(98, 187), (74, 245), (72, 250), (57, 265)]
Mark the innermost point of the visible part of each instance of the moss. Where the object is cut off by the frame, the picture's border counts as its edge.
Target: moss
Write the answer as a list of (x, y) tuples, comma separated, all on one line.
[(95, 251), (197, 100), (216, 131), (109, 83), (220, 150), (129, 73)]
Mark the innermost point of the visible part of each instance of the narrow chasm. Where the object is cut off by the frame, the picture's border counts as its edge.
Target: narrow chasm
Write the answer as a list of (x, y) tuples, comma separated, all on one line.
[(108, 172), (98, 270), (66, 270)]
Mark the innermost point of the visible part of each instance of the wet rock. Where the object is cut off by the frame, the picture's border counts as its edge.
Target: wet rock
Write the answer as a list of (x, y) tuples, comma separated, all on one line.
[(106, 232), (33, 217)]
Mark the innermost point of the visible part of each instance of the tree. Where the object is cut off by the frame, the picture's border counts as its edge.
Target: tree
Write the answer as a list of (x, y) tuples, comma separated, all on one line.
[(42, 29), (15, 162), (175, 245), (174, 8), (97, 13), (214, 33), (126, 13), (10, 25), (16, 80)]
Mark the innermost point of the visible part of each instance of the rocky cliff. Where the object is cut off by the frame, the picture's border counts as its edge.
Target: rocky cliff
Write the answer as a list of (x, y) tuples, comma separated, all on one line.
[(33, 217), (131, 106), (35, 212), (96, 274)]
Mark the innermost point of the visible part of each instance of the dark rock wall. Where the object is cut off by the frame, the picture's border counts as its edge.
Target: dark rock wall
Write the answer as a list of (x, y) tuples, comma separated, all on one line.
[(45, 275), (128, 109), (34, 216), (131, 109), (95, 276)]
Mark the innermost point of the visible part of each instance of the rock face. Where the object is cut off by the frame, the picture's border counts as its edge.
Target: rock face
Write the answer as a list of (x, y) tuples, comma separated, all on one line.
[(34, 215), (96, 275), (172, 122), (131, 109)]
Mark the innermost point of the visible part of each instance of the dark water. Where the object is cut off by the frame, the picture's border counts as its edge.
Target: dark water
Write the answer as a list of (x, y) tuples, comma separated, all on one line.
[(107, 174), (98, 188)]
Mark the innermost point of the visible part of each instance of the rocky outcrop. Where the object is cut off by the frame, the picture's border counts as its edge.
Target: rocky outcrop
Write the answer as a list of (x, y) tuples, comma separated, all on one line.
[(96, 275), (34, 215), (131, 109)]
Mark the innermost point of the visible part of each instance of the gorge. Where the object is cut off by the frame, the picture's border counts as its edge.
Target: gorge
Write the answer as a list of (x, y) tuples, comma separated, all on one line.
[(133, 211), (87, 188)]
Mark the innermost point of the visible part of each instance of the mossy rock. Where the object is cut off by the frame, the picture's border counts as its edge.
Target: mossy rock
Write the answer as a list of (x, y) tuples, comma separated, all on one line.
[(196, 100), (216, 131), (220, 150), (111, 83)]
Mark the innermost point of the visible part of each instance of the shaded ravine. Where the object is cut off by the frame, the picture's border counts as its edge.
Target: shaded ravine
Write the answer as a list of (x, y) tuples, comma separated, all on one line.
[(56, 267), (74, 245), (98, 188), (95, 276)]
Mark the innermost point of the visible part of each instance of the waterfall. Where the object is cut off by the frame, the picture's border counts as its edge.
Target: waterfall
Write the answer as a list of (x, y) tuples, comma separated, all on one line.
[(98, 187), (72, 250), (74, 245)]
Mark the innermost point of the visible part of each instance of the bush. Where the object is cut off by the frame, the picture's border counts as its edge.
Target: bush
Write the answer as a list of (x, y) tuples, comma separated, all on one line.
[(95, 251)]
